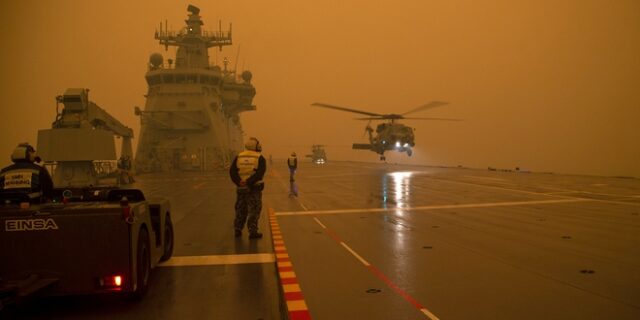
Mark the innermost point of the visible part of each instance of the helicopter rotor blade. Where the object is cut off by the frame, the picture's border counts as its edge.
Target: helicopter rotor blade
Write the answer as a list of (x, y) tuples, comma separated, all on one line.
[(443, 119), (370, 118), (345, 109), (432, 104)]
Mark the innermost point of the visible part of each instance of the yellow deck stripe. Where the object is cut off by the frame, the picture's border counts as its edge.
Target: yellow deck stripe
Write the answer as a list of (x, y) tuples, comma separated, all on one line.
[(291, 288), (296, 305), (287, 274)]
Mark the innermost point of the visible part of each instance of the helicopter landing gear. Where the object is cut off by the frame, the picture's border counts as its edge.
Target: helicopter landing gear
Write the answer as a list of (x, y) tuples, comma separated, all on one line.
[(409, 152)]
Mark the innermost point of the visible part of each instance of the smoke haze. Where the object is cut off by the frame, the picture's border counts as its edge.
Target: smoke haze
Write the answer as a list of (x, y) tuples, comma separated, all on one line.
[(541, 85)]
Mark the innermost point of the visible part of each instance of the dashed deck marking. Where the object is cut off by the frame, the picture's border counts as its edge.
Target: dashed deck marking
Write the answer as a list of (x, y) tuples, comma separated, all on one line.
[(355, 254), (182, 261), (434, 207), (296, 305), (320, 223), (407, 297)]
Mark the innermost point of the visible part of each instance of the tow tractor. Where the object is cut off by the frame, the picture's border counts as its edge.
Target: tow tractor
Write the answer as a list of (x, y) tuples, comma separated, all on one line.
[(94, 236)]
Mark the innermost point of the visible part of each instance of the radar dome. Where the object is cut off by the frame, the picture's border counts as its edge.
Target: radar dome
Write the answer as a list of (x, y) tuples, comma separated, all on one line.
[(246, 76), (156, 59)]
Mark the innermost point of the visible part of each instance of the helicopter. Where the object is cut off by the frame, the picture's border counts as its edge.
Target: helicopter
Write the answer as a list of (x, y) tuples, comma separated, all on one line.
[(318, 155), (390, 135)]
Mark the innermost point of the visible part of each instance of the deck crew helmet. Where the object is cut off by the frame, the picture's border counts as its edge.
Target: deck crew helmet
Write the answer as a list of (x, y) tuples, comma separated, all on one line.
[(253, 144)]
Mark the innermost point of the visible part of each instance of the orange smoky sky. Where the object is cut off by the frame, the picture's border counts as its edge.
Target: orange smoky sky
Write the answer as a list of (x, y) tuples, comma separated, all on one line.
[(542, 85)]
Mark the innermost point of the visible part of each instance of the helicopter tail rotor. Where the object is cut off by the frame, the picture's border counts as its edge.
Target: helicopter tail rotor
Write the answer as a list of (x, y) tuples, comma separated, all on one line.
[(368, 129)]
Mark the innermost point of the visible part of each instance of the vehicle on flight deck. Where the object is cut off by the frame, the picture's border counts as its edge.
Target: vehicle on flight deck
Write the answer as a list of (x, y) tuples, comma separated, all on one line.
[(390, 135), (93, 237), (318, 155)]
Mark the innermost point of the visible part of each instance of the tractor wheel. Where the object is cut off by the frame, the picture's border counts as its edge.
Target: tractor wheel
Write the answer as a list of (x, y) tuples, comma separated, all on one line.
[(168, 239), (143, 265)]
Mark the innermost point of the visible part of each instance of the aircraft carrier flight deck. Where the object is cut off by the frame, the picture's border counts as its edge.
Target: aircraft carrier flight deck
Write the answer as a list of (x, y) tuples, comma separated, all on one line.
[(385, 241)]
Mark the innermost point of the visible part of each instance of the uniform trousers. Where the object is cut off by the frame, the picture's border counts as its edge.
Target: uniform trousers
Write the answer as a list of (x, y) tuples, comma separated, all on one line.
[(248, 207)]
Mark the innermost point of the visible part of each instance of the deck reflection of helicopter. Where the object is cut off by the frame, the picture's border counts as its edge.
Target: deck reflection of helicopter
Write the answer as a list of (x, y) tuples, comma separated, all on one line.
[(390, 135)]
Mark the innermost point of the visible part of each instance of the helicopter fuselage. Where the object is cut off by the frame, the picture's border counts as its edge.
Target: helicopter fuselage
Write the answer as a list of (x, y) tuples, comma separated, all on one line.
[(390, 136)]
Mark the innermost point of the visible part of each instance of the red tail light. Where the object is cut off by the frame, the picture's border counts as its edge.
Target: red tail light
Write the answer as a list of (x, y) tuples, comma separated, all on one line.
[(126, 212), (112, 282), (126, 209)]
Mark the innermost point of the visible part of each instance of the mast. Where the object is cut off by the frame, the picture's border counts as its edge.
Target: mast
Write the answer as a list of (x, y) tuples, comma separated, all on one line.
[(193, 42)]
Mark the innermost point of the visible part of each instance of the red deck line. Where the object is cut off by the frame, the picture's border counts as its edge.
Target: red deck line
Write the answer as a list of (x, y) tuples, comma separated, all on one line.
[(382, 277), (299, 315), (293, 296)]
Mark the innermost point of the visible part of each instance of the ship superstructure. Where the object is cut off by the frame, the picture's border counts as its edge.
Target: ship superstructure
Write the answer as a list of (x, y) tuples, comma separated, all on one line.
[(191, 117)]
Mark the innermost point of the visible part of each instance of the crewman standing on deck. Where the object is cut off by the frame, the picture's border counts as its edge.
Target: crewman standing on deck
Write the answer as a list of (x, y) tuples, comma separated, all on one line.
[(25, 181), (292, 163), (247, 172)]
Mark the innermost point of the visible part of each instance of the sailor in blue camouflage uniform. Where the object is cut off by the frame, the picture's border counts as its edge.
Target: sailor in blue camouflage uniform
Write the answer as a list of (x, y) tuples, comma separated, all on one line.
[(247, 172), (25, 181), (292, 163)]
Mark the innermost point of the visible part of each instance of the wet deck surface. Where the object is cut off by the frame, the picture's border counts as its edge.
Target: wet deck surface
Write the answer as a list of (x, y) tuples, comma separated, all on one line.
[(383, 241)]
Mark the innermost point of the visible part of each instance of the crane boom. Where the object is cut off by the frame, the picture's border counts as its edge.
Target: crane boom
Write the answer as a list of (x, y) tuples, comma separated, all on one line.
[(81, 134)]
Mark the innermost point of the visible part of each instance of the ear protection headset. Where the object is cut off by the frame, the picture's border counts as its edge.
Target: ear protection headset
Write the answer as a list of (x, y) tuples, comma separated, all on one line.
[(253, 144), (23, 152)]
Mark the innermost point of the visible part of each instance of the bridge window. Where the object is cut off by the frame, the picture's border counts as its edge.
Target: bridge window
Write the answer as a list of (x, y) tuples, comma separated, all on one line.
[(167, 78), (192, 78), (153, 80), (204, 79), (180, 78), (71, 99)]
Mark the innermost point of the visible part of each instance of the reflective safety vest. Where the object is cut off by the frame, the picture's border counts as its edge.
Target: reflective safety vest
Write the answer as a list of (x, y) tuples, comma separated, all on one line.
[(291, 161), (247, 164), (25, 181)]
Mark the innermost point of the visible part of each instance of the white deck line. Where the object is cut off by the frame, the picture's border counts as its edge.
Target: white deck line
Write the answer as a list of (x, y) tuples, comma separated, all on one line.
[(182, 261), (320, 223), (435, 207), (429, 314), (355, 254)]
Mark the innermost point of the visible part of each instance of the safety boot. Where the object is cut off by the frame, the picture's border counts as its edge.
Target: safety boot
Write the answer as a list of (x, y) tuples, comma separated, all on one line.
[(255, 235)]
